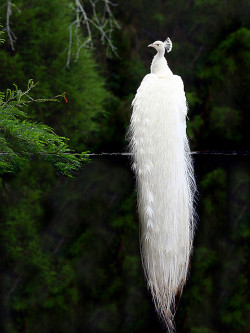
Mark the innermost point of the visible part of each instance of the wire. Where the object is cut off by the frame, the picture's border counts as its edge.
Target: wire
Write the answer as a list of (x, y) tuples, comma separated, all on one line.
[(198, 152)]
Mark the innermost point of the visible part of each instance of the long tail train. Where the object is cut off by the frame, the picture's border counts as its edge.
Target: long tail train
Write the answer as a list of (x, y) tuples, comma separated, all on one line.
[(165, 187)]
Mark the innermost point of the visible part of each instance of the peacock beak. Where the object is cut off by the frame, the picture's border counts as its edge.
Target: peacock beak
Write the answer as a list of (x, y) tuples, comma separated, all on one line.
[(151, 45)]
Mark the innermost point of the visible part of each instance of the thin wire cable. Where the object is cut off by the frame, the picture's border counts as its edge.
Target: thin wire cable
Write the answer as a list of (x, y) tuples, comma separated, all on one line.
[(198, 152)]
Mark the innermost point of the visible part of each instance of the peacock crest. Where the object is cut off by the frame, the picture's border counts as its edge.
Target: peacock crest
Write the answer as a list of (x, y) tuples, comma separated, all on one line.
[(168, 45)]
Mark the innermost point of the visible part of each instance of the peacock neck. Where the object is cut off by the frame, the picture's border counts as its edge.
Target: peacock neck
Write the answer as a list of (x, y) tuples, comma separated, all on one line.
[(159, 65), (160, 54)]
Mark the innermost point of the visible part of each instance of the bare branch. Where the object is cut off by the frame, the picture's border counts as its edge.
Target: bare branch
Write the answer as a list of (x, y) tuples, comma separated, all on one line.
[(70, 42), (102, 20), (12, 36), (8, 14), (85, 18), (13, 288)]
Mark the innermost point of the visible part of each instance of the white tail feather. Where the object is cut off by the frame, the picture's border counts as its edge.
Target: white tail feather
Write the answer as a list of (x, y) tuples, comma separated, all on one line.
[(165, 187)]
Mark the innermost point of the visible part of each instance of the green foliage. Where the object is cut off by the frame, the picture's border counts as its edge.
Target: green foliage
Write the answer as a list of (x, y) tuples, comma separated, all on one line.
[(227, 121), (41, 54), (227, 68), (62, 272), (194, 126), (1, 33), (23, 140), (34, 276), (219, 256)]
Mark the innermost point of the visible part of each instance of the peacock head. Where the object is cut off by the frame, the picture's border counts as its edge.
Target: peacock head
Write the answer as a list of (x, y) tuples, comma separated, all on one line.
[(161, 46)]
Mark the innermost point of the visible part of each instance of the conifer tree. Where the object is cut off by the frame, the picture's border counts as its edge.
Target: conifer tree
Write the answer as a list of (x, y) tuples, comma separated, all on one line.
[(41, 53)]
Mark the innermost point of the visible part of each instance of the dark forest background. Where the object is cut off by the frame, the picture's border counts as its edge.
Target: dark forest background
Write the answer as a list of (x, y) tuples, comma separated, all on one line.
[(70, 258)]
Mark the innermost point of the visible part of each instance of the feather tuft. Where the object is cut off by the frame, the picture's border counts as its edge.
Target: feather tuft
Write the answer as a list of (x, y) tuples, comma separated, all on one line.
[(168, 45)]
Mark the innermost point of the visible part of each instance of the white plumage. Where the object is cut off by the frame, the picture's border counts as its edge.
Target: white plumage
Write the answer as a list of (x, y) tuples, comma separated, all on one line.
[(165, 181)]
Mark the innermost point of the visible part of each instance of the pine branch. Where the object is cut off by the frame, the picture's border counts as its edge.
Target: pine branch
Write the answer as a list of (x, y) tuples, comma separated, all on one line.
[(22, 140)]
